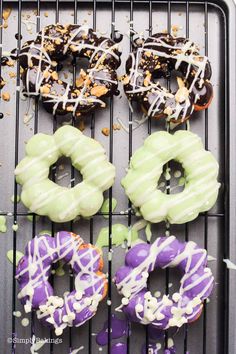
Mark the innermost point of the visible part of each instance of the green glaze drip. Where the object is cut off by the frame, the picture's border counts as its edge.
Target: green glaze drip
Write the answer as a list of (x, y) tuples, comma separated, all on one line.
[(10, 256), (30, 217), (15, 227), (148, 231), (120, 233), (13, 198), (105, 207), (3, 224), (45, 232)]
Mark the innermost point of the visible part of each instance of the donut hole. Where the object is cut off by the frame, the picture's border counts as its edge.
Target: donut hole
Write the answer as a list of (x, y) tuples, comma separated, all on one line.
[(157, 282), (172, 75), (61, 173), (172, 178)]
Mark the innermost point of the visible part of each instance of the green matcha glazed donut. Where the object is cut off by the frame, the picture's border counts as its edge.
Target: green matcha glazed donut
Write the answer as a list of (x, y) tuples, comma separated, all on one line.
[(44, 197), (146, 166)]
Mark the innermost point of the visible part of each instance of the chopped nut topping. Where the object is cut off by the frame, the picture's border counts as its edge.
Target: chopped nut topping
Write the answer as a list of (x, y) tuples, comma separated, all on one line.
[(44, 89), (58, 41), (46, 74), (116, 126), (70, 108), (180, 82), (6, 96), (147, 79), (79, 81), (10, 63), (6, 13), (126, 80), (99, 91), (106, 131), (54, 75), (148, 54)]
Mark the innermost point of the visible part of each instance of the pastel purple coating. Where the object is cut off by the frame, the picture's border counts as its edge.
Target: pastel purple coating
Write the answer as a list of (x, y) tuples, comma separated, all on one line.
[(185, 305), (119, 328), (36, 293)]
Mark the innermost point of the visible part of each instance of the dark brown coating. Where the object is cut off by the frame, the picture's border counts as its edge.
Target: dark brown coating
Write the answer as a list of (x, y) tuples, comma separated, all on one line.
[(40, 61), (156, 58)]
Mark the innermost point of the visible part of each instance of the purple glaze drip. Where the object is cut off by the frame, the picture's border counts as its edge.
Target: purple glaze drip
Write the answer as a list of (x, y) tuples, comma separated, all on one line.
[(154, 350), (119, 329), (119, 348)]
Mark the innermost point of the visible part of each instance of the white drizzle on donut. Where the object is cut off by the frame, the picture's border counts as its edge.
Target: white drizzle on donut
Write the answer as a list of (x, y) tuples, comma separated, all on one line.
[(151, 311), (185, 53), (55, 303)]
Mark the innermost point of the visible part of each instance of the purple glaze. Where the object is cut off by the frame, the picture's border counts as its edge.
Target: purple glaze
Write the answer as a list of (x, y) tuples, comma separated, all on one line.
[(196, 284), (119, 329), (119, 348), (34, 269)]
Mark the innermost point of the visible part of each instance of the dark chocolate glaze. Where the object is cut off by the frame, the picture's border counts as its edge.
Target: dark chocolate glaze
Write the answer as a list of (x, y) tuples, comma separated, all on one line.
[(157, 57), (41, 60)]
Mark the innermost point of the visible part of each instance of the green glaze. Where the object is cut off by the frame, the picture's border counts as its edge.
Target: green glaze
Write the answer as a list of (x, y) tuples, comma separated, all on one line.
[(105, 207), (13, 198), (10, 256), (3, 224), (30, 217), (146, 166), (120, 234), (44, 197)]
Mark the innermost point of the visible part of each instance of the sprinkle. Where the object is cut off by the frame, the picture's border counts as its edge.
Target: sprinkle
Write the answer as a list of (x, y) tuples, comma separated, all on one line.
[(25, 322), (125, 301), (160, 316), (157, 294), (17, 314), (210, 258), (145, 274), (176, 297), (189, 310), (170, 343), (177, 174), (58, 331), (108, 302), (78, 295)]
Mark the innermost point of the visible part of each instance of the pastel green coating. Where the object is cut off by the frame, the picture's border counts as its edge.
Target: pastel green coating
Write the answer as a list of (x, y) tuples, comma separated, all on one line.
[(146, 166), (120, 233), (10, 256), (106, 205), (3, 224), (44, 197)]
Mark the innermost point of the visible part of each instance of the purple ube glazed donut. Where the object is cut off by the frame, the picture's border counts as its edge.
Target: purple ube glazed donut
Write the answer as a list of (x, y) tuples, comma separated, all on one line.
[(36, 293), (185, 305)]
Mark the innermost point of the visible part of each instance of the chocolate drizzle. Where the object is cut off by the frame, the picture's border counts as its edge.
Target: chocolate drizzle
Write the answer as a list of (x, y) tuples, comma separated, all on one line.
[(40, 60), (155, 58)]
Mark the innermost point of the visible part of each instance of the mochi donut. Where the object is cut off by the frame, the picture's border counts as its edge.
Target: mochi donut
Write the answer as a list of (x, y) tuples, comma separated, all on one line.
[(40, 58), (146, 166), (184, 306), (36, 293), (43, 196), (155, 58)]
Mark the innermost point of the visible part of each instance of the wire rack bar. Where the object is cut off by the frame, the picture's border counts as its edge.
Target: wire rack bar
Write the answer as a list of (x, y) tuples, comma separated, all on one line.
[(129, 213)]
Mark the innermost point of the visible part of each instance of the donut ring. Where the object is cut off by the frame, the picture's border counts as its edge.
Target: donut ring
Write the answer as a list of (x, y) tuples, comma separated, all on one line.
[(44, 197), (154, 58), (39, 60), (166, 252), (146, 166), (36, 293)]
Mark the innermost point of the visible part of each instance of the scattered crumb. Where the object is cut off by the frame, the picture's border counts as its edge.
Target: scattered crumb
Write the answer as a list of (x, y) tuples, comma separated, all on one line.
[(10, 63), (61, 167), (6, 96), (116, 126), (175, 29), (46, 14), (65, 75), (12, 74), (6, 13), (106, 131)]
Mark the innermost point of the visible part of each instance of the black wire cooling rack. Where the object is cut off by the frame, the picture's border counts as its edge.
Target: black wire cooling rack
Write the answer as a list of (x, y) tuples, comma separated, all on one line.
[(219, 215)]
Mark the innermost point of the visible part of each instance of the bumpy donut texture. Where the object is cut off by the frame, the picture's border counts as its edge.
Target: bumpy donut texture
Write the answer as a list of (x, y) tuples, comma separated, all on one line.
[(155, 58), (146, 166), (39, 62), (36, 293), (44, 197), (183, 306)]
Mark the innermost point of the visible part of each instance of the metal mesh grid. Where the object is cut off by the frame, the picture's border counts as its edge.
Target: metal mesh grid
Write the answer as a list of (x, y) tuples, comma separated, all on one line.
[(112, 7)]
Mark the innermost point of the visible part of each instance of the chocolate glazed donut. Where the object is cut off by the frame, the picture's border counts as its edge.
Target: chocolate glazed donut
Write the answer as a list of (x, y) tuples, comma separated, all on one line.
[(39, 61), (155, 58)]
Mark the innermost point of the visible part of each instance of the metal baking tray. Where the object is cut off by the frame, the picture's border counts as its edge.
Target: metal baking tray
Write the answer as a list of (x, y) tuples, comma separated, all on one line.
[(212, 26)]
